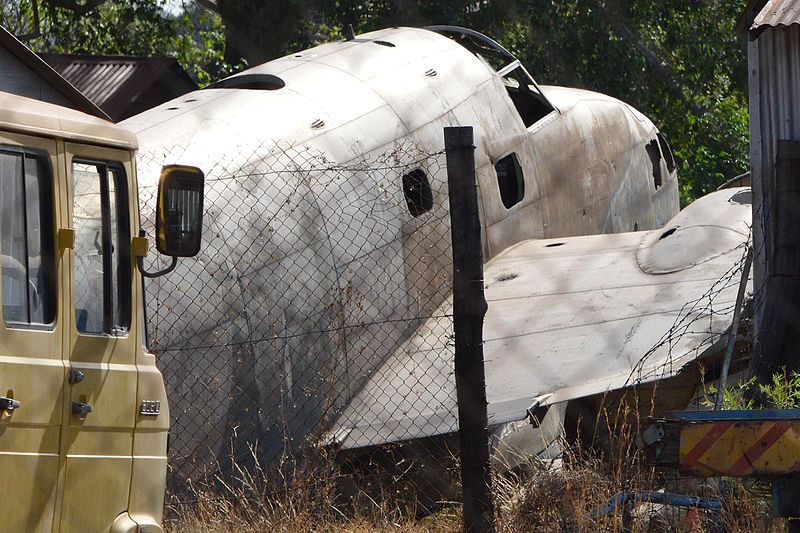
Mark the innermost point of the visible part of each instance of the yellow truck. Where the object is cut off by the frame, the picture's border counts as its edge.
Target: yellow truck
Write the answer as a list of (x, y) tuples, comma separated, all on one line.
[(83, 410)]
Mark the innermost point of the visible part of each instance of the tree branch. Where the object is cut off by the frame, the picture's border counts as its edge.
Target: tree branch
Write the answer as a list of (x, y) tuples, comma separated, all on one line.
[(37, 27), (616, 21)]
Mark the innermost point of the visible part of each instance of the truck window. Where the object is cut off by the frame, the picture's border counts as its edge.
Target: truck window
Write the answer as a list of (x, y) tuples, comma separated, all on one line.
[(26, 238), (102, 248)]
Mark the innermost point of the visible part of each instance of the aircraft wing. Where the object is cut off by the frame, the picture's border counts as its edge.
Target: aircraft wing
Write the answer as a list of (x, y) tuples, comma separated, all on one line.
[(569, 318)]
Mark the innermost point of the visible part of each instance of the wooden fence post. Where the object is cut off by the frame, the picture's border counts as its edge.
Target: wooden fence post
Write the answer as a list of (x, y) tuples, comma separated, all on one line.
[(469, 308)]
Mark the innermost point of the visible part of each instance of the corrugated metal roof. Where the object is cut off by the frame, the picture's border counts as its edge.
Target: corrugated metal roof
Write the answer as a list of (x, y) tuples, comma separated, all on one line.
[(118, 83), (777, 13)]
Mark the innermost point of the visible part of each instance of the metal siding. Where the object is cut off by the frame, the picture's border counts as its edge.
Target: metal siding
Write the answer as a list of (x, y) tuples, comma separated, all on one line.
[(759, 225), (100, 78), (123, 85), (774, 112)]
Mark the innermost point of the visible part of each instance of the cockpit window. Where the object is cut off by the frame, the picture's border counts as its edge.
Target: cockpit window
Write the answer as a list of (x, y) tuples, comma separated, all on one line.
[(530, 103), (666, 153)]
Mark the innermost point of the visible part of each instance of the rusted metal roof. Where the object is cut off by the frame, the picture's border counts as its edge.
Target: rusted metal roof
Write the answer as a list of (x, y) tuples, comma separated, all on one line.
[(759, 15), (777, 13), (123, 86)]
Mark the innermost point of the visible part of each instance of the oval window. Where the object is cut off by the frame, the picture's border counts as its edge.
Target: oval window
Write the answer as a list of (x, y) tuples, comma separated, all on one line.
[(417, 190), (510, 180)]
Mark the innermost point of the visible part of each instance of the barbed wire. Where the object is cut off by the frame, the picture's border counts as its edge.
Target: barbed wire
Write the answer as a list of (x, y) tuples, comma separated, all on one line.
[(312, 275)]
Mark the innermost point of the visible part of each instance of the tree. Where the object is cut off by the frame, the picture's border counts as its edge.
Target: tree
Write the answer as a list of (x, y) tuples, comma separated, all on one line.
[(195, 37), (678, 61)]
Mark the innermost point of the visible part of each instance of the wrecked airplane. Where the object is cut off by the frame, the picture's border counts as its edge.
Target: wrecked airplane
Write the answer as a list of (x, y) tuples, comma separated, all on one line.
[(283, 257), (626, 310)]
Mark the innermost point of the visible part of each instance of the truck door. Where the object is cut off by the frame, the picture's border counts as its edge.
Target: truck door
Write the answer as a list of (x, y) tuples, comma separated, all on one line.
[(100, 350), (31, 368)]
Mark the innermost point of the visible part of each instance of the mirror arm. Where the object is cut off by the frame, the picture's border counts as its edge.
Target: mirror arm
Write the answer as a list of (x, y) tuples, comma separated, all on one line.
[(140, 263), (170, 268)]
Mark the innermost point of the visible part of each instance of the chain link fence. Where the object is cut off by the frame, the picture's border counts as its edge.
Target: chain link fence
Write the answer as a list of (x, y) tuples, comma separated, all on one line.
[(319, 316), (311, 275)]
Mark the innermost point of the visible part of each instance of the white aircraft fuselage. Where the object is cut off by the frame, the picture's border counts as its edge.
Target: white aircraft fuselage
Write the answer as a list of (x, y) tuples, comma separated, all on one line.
[(307, 254)]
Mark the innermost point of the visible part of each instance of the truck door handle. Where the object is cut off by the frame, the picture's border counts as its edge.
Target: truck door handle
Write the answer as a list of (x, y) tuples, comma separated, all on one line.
[(81, 409), (9, 404)]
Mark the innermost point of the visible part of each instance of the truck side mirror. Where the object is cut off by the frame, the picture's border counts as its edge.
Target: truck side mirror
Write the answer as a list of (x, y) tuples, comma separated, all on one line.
[(179, 217), (179, 211)]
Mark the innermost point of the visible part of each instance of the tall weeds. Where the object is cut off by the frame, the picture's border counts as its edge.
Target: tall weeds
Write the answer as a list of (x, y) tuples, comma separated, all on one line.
[(569, 494)]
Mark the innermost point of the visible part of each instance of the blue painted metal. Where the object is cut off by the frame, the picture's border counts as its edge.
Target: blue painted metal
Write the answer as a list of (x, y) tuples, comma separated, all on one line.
[(746, 414), (666, 498)]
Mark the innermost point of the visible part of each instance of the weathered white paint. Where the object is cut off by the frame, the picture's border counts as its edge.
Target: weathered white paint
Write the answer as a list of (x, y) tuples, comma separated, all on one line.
[(300, 271), (570, 318)]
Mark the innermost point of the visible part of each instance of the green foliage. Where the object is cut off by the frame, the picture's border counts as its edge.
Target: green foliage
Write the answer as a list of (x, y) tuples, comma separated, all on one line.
[(784, 391), (195, 37), (677, 61), (735, 397)]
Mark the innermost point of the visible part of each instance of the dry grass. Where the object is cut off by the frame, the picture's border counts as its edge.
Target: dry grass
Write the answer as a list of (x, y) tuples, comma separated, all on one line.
[(559, 497)]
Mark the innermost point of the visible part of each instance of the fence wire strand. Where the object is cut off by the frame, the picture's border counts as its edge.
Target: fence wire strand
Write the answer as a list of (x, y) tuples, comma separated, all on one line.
[(312, 276)]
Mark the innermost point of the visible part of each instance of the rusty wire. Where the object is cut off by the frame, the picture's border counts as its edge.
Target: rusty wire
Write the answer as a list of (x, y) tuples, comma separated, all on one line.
[(311, 275)]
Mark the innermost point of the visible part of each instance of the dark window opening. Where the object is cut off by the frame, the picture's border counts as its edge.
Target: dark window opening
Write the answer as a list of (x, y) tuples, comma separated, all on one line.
[(417, 190), (510, 180), (530, 103), (27, 248), (655, 158), (266, 82), (102, 260), (666, 152), (668, 233)]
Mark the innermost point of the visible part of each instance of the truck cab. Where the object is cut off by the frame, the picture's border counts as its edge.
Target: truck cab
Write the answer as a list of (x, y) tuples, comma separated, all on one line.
[(83, 411)]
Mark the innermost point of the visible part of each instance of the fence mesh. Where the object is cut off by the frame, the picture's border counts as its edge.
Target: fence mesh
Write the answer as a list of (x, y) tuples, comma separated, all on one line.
[(311, 276), (318, 316)]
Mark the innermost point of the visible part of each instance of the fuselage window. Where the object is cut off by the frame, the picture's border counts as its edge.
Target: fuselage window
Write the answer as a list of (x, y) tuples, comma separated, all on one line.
[(417, 190), (510, 180), (655, 158), (26, 239), (102, 265)]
